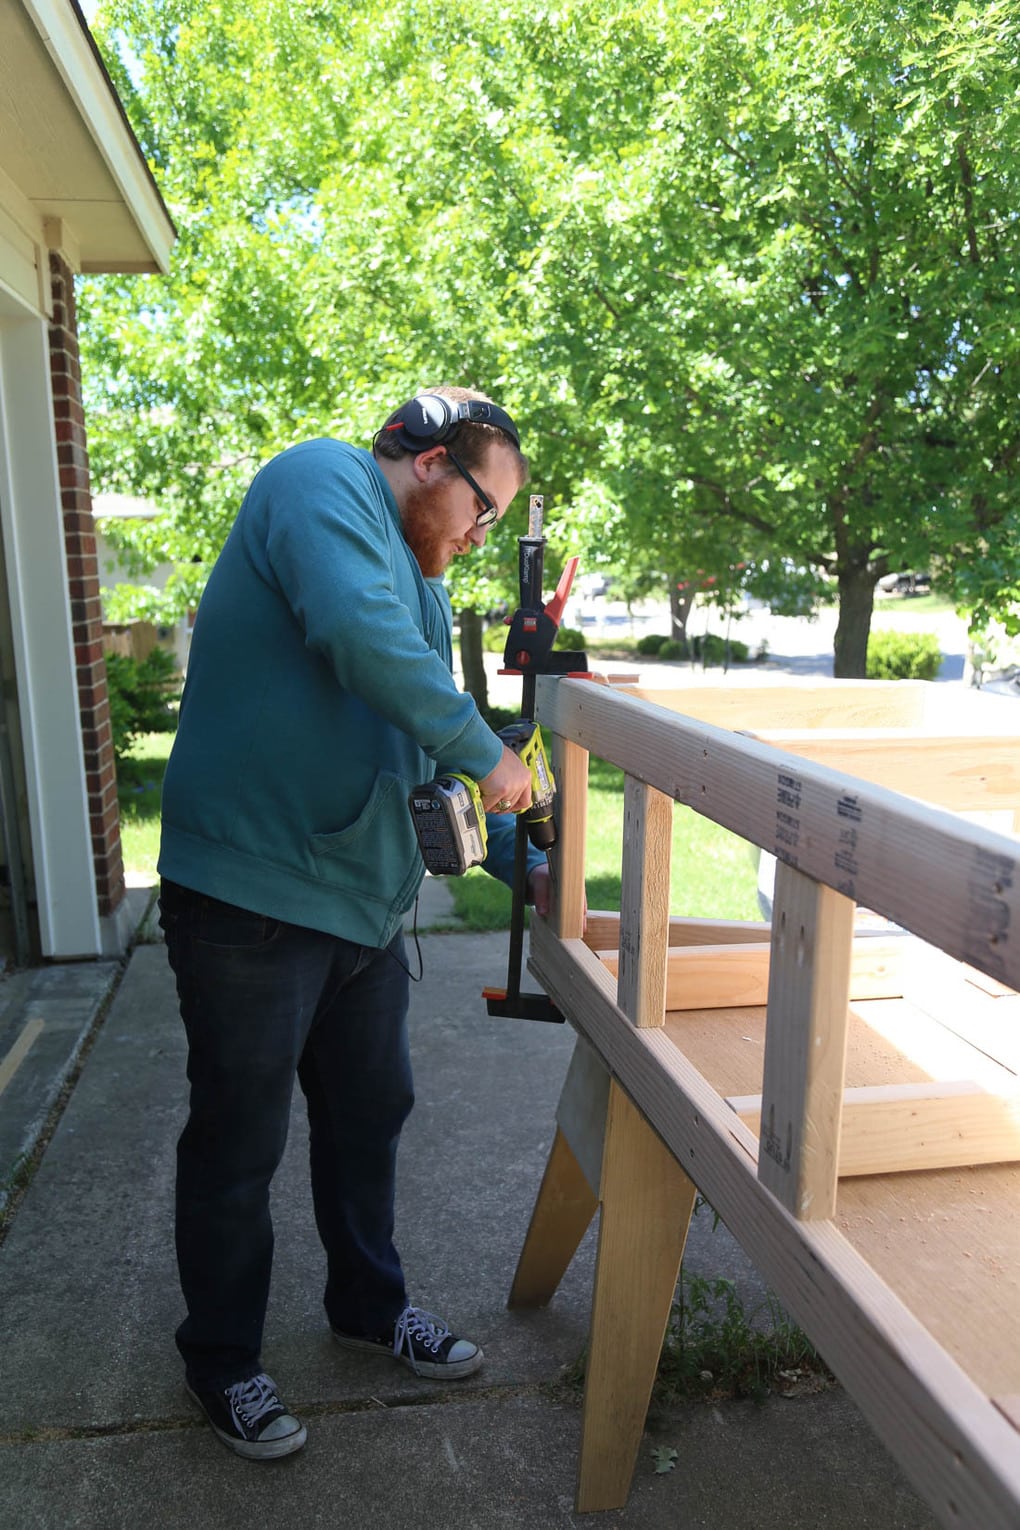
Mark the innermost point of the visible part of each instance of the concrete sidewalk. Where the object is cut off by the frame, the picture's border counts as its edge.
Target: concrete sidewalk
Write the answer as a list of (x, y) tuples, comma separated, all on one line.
[(99, 1433)]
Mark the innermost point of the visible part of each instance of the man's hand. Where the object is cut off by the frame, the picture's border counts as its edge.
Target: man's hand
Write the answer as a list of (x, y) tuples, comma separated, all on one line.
[(507, 789), (539, 892)]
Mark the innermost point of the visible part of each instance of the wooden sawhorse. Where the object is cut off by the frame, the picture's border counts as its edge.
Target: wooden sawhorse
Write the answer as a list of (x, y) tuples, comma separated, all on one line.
[(604, 1151)]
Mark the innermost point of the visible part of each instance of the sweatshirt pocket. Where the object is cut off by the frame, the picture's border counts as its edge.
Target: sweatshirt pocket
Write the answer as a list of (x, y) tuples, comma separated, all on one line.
[(373, 854)]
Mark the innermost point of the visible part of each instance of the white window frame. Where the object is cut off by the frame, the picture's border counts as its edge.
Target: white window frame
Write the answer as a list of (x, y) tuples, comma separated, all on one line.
[(31, 523)]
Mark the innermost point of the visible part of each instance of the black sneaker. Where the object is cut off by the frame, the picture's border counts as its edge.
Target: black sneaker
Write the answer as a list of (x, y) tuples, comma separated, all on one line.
[(250, 1419), (425, 1343)]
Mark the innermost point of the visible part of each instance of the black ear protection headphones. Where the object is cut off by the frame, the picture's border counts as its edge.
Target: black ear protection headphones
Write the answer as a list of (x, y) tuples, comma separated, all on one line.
[(431, 420)]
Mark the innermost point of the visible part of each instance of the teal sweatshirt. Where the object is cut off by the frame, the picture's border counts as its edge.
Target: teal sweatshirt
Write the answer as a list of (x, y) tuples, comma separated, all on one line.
[(319, 693)]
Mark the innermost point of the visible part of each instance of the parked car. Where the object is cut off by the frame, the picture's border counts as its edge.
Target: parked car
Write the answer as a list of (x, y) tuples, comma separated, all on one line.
[(916, 583), (1005, 683)]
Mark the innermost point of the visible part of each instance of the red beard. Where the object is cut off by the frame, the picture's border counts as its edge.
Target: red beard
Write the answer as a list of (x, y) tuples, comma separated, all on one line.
[(427, 529)]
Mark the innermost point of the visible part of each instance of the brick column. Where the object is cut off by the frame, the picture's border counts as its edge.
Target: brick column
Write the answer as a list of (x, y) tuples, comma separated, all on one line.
[(83, 579)]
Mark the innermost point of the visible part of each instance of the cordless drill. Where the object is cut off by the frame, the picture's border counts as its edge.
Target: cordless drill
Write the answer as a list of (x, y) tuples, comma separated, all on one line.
[(449, 819), (524, 738)]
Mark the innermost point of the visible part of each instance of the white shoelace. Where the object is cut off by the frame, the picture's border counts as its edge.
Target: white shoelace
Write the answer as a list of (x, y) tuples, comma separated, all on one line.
[(413, 1323), (251, 1400)]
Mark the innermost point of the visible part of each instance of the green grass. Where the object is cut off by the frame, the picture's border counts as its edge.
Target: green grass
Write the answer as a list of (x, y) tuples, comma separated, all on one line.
[(139, 783), (911, 605), (713, 873)]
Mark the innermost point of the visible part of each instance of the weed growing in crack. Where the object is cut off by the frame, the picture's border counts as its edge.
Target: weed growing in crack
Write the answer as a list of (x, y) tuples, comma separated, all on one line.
[(715, 1347)]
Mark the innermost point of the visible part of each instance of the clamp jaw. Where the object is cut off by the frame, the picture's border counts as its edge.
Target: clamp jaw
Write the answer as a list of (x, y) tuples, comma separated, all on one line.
[(533, 626)]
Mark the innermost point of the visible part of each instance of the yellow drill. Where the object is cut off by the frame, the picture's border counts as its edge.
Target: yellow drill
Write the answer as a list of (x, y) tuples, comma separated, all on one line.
[(448, 816), (525, 739)]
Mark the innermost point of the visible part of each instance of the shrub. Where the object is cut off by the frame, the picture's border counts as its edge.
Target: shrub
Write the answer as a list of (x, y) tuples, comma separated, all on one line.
[(494, 637), (711, 648), (672, 649), (903, 656), (571, 638), (651, 643), (143, 696)]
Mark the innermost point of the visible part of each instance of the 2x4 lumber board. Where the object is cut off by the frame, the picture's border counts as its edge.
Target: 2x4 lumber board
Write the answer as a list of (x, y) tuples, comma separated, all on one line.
[(897, 1128), (805, 1043), (644, 902), (647, 1201), (602, 931), (832, 704), (950, 882), (959, 771), (570, 771), (737, 976), (562, 1215), (958, 1451)]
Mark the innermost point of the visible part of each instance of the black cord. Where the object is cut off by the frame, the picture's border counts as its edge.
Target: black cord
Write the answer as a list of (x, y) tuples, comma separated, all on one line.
[(417, 946)]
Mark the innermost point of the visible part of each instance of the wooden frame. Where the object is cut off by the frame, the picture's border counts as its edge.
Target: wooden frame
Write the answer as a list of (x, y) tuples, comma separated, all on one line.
[(688, 1074)]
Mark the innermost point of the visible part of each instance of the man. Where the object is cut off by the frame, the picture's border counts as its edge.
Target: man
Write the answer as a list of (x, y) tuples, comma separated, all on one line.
[(319, 692)]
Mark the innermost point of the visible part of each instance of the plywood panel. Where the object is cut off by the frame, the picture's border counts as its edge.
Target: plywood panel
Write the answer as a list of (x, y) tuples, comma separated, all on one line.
[(951, 770), (793, 704)]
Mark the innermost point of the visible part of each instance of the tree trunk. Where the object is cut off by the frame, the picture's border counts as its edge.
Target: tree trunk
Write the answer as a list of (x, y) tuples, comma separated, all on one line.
[(472, 658), (856, 603), (681, 599)]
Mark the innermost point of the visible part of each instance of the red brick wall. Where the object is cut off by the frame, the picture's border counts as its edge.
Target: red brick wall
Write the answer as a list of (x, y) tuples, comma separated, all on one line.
[(83, 576)]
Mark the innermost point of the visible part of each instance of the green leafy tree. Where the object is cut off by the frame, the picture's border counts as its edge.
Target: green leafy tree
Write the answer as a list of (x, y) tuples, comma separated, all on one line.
[(746, 276), (780, 275)]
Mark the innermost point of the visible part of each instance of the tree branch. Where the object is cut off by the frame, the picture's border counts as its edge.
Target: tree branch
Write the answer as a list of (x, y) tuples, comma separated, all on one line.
[(837, 164), (606, 303), (870, 437), (967, 180), (727, 506)]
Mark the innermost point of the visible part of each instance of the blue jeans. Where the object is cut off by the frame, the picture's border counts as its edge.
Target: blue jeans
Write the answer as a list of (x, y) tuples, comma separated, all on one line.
[(263, 1001)]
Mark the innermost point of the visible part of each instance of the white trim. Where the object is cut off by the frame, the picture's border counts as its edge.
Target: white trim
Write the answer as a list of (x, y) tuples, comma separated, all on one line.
[(33, 534), (22, 259), (69, 46)]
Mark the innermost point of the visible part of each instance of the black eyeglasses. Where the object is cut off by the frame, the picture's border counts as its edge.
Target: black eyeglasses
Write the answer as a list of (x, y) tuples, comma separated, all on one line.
[(489, 513)]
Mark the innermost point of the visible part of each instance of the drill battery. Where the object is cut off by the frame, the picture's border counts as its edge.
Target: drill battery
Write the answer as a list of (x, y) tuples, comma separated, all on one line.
[(449, 821)]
